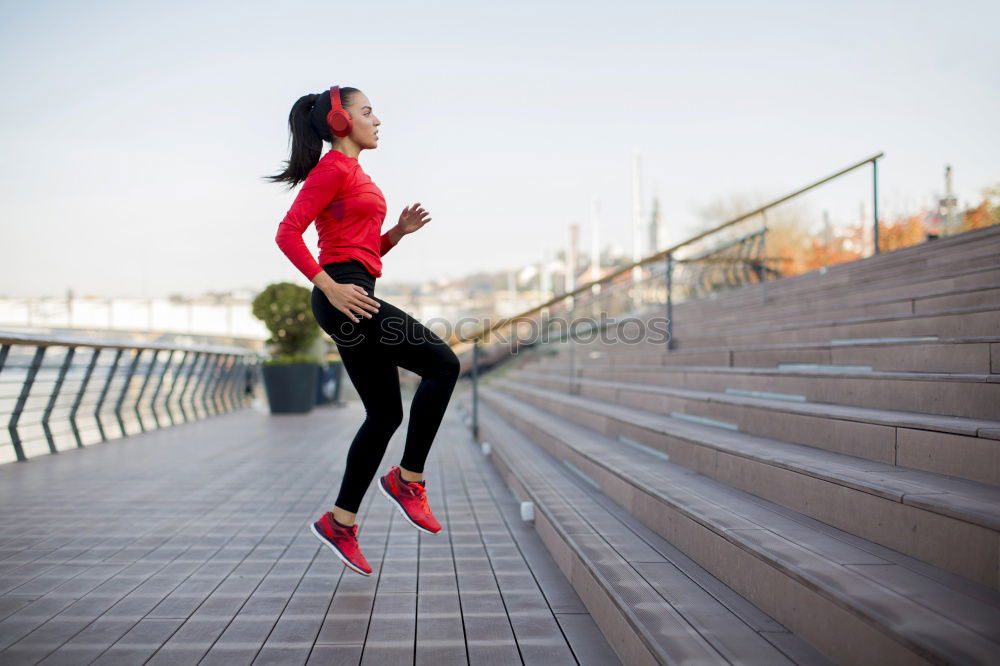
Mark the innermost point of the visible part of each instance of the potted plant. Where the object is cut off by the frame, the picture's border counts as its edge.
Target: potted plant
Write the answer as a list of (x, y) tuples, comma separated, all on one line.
[(290, 374)]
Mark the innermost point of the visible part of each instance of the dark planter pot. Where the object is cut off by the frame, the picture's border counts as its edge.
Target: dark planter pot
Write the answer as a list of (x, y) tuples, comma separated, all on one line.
[(291, 388)]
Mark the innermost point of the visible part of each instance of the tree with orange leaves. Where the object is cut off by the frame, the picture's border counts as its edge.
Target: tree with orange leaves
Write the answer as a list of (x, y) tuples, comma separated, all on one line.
[(986, 213)]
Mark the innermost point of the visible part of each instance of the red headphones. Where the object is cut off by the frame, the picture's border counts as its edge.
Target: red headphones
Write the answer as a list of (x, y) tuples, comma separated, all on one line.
[(338, 119)]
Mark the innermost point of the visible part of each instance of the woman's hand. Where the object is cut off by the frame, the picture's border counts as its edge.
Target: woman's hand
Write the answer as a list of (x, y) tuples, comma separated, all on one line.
[(351, 298), (412, 218)]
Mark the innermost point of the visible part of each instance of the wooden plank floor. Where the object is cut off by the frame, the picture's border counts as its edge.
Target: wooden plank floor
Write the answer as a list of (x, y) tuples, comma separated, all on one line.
[(190, 545)]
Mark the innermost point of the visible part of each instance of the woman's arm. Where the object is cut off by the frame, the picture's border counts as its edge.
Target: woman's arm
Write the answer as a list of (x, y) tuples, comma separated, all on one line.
[(323, 280), (318, 190), (412, 218), (389, 240)]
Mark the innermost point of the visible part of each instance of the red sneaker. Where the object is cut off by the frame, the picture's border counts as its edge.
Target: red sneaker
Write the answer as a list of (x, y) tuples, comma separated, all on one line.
[(410, 497), (343, 541)]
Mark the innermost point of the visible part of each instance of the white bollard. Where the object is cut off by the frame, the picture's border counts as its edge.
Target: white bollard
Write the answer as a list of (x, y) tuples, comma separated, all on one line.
[(486, 448), (528, 511)]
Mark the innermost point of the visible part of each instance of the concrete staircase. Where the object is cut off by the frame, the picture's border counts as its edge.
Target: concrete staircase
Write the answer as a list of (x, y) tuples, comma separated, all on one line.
[(810, 478)]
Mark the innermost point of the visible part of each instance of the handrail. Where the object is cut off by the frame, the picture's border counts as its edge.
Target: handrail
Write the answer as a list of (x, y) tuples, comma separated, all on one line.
[(671, 261), (7, 337), (660, 255), (142, 386)]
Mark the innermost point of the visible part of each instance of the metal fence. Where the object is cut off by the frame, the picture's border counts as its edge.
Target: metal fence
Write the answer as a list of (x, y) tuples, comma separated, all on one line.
[(731, 254), (60, 393)]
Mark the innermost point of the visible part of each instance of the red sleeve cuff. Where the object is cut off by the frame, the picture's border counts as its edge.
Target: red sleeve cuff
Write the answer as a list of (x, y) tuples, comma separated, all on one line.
[(385, 244)]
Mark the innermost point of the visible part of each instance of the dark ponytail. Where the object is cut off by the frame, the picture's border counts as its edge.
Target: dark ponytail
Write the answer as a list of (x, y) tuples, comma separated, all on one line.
[(308, 130)]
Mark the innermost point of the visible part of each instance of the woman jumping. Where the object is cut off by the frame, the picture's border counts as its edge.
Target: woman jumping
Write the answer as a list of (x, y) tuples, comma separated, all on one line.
[(373, 336)]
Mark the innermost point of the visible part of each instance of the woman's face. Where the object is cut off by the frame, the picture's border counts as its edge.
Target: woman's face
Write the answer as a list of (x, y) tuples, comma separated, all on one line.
[(365, 122)]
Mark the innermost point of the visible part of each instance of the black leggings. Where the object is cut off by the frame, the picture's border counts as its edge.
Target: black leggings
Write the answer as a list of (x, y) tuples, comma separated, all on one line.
[(371, 350)]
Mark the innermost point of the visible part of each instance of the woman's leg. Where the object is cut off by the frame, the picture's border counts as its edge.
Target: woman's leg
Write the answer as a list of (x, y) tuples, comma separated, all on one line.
[(376, 380), (371, 351), (377, 383), (406, 342)]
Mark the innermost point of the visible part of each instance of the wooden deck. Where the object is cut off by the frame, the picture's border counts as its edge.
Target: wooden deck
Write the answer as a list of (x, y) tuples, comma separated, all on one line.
[(191, 545)]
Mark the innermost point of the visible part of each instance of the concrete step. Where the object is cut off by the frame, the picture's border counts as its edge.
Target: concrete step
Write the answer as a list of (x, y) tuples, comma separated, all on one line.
[(852, 599), (950, 323), (959, 322), (702, 315), (915, 512), (908, 263), (751, 298), (965, 286), (949, 445), (916, 267), (838, 286), (653, 603), (906, 354), (908, 280), (917, 300), (970, 395)]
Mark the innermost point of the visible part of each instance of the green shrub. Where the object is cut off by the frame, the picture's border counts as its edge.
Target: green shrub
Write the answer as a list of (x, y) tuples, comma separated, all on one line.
[(286, 310), (287, 359)]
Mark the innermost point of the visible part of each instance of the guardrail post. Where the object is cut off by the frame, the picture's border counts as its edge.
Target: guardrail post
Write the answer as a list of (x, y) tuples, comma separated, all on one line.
[(225, 390), (200, 384), (121, 396), (70, 352), (208, 393), (207, 402), (142, 389), (238, 384), (235, 377), (763, 259), (222, 375), (220, 378), (159, 385), (36, 362), (79, 396), (187, 382), (670, 301), (475, 392), (174, 380), (225, 386), (104, 394), (875, 203), (572, 353)]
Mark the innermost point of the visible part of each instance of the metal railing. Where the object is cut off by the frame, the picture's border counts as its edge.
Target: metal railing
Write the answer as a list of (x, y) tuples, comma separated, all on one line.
[(67, 392), (643, 287), (62, 398)]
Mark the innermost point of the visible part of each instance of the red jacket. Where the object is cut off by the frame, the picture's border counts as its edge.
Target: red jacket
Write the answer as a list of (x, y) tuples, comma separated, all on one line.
[(349, 210)]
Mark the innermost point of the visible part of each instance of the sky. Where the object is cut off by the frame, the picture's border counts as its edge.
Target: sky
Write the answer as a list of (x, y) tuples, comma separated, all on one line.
[(135, 134)]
